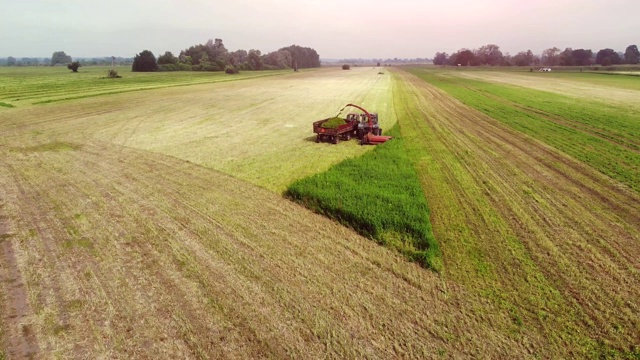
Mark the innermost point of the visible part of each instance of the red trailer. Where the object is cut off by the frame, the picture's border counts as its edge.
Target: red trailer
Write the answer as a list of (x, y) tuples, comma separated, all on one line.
[(363, 126), (333, 134)]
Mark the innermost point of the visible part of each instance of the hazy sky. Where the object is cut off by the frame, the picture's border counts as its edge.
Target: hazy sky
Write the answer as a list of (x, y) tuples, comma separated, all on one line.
[(335, 28)]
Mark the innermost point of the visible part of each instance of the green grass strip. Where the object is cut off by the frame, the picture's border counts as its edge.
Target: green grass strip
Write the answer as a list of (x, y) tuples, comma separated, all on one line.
[(6, 105), (609, 146), (380, 196)]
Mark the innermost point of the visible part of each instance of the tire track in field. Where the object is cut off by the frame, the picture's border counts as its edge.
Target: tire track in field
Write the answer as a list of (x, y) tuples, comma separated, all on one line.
[(19, 338), (254, 282), (168, 225), (114, 318), (48, 236), (580, 228), (222, 275)]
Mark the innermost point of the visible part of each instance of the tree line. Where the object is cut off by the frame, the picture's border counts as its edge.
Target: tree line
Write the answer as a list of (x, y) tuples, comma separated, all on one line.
[(60, 57), (491, 55), (214, 56), (210, 56)]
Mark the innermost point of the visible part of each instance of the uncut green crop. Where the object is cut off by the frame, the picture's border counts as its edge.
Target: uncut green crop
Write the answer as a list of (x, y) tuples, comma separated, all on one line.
[(380, 196), (602, 135)]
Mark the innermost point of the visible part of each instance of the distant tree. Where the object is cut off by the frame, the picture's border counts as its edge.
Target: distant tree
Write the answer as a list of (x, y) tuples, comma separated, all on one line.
[(11, 61), (184, 59), (632, 55), (59, 57), (346, 67), (280, 59), (194, 53), (582, 57), (74, 66), (167, 58), (523, 58), (216, 51), (211, 54), (304, 57), (440, 58), (452, 58), (489, 54), (507, 60), (145, 61), (551, 56), (566, 57), (238, 57), (25, 61), (606, 57), (465, 57), (254, 61)]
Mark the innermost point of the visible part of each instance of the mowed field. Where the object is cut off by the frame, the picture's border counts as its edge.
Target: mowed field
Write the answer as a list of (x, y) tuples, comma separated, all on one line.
[(521, 206), (150, 224)]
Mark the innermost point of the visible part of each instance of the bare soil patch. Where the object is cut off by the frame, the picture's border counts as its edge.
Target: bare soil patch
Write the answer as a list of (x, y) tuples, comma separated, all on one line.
[(18, 339)]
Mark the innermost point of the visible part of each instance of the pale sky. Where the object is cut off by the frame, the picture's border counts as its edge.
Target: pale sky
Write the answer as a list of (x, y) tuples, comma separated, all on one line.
[(335, 28)]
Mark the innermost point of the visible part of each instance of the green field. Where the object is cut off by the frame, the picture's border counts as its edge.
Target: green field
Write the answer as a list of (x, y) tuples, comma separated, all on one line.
[(41, 85), (605, 136), (148, 216)]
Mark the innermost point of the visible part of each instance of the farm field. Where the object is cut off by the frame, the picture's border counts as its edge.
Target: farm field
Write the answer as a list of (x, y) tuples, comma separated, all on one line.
[(601, 134), (545, 235), (41, 85), (151, 224), (619, 89), (257, 130)]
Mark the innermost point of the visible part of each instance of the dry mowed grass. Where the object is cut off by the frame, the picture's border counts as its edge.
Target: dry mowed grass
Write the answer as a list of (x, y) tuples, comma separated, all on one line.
[(257, 129), (150, 225), (113, 248)]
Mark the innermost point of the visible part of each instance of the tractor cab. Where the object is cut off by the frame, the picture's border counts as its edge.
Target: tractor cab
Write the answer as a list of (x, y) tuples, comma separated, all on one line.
[(364, 127)]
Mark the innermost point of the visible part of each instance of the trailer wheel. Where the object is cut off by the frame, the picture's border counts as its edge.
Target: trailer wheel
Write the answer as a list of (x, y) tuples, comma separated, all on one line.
[(318, 138), (347, 137), (335, 139)]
